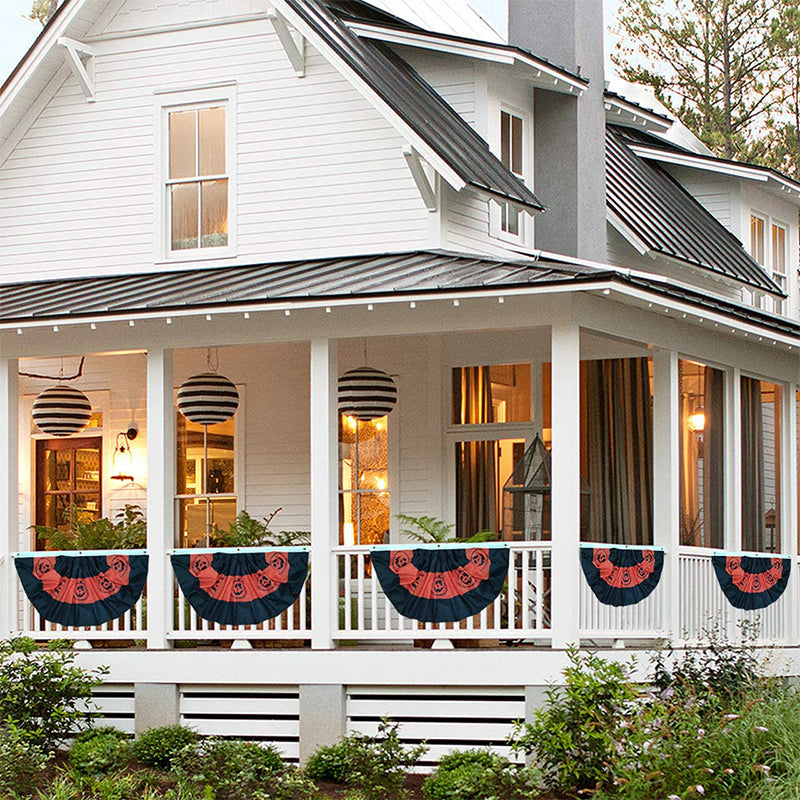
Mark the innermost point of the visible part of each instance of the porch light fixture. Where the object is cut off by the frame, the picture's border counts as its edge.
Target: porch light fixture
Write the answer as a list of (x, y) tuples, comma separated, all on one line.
[(697, 421), (122, 461)]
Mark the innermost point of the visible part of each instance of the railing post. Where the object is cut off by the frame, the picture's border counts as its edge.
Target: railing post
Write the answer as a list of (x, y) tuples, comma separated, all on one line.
[(666, 497), (160, 494), (566, 479), (9, 487), (324, 492)]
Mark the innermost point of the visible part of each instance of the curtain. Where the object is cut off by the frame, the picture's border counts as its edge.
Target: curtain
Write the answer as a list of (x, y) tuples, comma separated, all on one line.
[(476, 462), (620, 439), (753, 508), (714, 459)]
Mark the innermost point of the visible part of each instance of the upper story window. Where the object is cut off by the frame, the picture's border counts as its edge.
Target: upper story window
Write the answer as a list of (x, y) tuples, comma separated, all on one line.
[(512, 154), (197, 182), (758, 238), (769, 247), (779, 273)]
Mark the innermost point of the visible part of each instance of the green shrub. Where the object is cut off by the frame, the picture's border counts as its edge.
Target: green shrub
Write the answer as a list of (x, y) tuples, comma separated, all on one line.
[(479, 775), (99, 751), (373, 765), (83, 532), (21, 763), (227, 768), (159, 746), (573, 738), (42, 692), (291, 784)]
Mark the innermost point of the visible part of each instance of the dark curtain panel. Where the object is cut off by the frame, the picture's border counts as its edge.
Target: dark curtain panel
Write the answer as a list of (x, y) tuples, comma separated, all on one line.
[(753, 511), (476, 462), (620, 437), (714, 458)]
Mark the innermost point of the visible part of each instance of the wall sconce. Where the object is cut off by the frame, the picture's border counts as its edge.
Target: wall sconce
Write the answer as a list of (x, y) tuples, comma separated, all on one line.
[(697, 421), (122, 461)]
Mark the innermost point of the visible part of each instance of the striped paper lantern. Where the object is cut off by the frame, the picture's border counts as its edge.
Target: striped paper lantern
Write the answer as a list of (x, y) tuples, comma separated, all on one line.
[(61, 411), (208, 399), (366, 394)]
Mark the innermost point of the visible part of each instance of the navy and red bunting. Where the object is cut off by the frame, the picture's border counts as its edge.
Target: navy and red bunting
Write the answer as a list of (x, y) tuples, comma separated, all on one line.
[(83, 590), (621, 576), (752, 582), (241, 588), (445, 584)]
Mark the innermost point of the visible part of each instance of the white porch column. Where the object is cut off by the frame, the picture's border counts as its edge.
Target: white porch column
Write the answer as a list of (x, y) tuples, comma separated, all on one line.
[(789, 510), (324, 492), (160, 495), (666, 489), (566, 482), (9, 491)]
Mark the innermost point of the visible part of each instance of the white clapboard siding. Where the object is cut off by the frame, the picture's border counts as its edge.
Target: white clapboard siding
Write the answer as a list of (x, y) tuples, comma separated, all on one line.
[(319, 171), (447, 719), (270, 715)]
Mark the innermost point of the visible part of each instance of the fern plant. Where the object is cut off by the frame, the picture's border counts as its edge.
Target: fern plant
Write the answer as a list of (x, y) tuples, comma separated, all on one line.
[(432, 530), (129, 532), (247, 531)]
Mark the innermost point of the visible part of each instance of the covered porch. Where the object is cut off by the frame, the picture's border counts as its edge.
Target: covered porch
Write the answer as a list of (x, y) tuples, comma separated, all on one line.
[(660, 423)]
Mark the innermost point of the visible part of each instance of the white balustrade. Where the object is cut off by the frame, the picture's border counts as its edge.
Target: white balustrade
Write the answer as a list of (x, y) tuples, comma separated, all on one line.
[(521, 611)]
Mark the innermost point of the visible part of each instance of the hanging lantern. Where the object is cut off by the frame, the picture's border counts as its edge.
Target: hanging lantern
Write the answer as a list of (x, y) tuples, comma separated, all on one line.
[(61, 411), (208, 399), (366, 394)]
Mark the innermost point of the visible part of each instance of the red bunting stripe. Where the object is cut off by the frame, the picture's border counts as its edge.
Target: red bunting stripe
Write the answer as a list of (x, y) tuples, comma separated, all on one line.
[(623, 577), (82, 591), (441, 585), (240, 588), (753, 582)]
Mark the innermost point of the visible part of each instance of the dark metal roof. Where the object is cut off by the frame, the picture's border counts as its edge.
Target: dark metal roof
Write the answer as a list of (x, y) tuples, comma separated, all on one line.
[(405, 274), (671, 222), (417, 104), (415, 272)]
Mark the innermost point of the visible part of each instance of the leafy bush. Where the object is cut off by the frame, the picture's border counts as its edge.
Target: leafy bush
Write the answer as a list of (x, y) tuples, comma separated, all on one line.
[(431, 529), (159, 746), (129, 532), (479, 775), (246, 531), (572, 739), (41, 691), (291, 784), (99, 751), (21, 763), (374, 765), (227, 768)]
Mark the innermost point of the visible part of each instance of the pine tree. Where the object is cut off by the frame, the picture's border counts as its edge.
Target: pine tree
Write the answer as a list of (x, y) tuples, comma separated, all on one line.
[(43, 10)]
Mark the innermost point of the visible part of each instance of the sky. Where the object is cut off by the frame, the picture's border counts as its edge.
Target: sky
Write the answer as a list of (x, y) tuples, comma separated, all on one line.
[(17, 32)]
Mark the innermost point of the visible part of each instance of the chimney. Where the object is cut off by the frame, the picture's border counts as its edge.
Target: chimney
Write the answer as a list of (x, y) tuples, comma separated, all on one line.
[(569, 133)]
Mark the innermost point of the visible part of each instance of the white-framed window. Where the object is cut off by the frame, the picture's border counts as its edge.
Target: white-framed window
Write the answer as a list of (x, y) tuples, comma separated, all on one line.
[(780, 272), (769, 241), (197, 175), (508, 222), (758, 238)]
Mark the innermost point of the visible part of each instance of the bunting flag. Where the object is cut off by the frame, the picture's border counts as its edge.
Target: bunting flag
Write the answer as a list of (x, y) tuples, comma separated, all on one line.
[(621, 576), (83, 590), (441, 585), (241, 588), (752, 582)]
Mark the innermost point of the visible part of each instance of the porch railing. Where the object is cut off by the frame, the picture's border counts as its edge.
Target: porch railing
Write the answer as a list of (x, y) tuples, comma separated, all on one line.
[(522, 610)]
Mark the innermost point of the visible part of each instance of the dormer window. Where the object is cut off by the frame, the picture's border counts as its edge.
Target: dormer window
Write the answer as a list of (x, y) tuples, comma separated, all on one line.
[(512, 155), (197, 186)]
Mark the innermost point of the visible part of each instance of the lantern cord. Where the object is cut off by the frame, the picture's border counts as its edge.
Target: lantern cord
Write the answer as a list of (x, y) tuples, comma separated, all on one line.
[(213, 364), (60, 377), (365, 353)]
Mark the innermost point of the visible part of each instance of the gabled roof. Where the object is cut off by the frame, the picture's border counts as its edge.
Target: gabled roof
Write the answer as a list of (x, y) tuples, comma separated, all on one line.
[(665, 219), (399, 93)]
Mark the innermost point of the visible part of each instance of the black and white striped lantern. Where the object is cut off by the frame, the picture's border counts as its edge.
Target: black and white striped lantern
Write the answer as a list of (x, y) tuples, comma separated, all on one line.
[(208, 399), (366, 394), (61, 411)]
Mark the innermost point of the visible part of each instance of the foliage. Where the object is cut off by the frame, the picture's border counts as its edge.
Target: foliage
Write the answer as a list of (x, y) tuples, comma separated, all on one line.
[(479, 775), (246, 531), (572, 739), (374, 765), (43, 10), (291, 784), (42, 692), (714, 63), (21, 762), (226, 768), (431, 529), (159, 746), (99, 751), (129, 532)]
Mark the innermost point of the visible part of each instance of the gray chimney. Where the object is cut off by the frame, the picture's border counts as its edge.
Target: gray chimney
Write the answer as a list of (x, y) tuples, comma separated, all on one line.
[(569, 134)]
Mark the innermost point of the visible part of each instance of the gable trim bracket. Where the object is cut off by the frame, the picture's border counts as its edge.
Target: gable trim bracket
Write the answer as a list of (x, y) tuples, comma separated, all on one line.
[(75, 52), (426, 190), (293, 43)]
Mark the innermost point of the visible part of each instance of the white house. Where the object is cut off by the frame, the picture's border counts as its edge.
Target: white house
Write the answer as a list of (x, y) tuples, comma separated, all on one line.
[(284, 190)]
